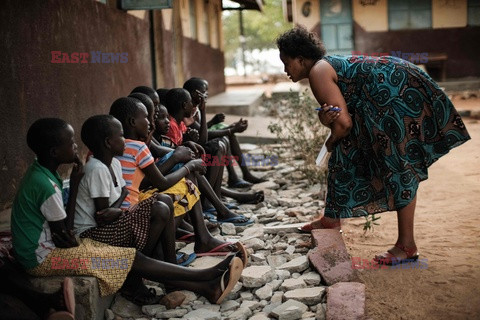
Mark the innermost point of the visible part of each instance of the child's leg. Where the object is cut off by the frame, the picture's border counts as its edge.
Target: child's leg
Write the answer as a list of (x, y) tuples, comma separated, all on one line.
[(206, 282), (244, 197), (214, 174), (237, 152), (222, 211)]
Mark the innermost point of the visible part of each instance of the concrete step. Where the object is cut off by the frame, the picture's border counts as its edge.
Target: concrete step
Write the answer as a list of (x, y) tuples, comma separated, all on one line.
[(237, 102)]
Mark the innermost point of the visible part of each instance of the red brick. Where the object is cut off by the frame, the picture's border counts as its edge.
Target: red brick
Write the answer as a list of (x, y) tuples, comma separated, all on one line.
[(330, 257), (346, 300)]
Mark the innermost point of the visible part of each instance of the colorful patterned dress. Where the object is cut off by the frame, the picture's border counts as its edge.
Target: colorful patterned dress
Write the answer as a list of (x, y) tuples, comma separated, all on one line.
[(402, 123)]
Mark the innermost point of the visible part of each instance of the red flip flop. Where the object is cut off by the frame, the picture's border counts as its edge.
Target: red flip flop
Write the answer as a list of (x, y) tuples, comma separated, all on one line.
[(187, 238), (216, 251), (388, 258)]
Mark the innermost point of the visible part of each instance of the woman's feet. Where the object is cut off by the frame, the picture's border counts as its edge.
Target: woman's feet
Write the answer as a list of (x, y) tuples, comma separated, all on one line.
[(322, 223), (398, 254)]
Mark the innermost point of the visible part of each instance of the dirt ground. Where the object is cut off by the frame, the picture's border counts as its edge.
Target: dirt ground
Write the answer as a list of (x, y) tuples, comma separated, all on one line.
[(447, 228)]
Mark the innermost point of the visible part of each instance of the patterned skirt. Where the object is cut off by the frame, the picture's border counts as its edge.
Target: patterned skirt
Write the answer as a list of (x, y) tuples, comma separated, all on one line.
[(130, 230), (110, 265), (185, 195)]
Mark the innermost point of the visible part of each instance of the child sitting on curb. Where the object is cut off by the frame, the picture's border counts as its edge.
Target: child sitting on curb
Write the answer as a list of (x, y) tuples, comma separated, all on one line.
[(137, 163), (42, 229)]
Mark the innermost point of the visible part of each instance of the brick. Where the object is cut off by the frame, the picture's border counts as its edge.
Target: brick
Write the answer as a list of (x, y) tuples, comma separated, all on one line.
[(346, 300), (330, 257)]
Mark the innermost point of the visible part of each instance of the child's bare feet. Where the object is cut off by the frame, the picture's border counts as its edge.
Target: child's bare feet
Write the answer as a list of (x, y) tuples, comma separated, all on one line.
[(251, 197)]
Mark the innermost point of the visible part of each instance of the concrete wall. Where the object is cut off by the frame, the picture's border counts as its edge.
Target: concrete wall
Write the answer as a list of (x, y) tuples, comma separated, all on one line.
[(32, 87), (449, 33)]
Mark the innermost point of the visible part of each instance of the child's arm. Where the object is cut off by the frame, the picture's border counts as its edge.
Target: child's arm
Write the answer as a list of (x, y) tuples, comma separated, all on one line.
[(203, 122), (237, 127), (161, 182), (157, 149), (182, 154), (62, 235), (219, 117)]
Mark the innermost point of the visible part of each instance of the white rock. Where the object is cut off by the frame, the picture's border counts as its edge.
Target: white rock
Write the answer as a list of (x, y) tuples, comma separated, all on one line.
[(229, 305), (277, 297), (228, 229), (291, 284), (259, 316), (252, 305), (257, 276), (309, 296), (264, 292), (246, 295), (174, 313), (289, 310), (240, 314), (290, 249), (296, 265), (257, 257), (311, 278), (265, 185), (276, 260), (254, 243), (282, 274), (203, 314), (151, 310)]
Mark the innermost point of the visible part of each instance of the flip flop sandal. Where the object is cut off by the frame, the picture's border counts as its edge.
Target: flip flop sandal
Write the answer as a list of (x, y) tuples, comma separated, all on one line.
[(143, 296), (231, 206), (234, 274), (389, 258), (187, 238), (235, 220), (186, 262), (61, 315), (240, 184), (69, 295), (210, 216)]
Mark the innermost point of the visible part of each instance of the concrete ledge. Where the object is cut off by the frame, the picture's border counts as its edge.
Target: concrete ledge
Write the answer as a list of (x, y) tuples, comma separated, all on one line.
[(89, 304), (284, 90), (239, 102)]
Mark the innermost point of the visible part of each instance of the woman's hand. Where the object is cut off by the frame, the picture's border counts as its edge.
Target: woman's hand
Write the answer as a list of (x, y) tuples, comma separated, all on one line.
[(327, 116)]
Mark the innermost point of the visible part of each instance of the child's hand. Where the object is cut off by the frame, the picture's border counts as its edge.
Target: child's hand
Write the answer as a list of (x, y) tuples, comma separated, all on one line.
[(183, 154), (107, 215), (219, 117), (192, 134), (327, 116), (196, 148), (196, 165), (64, 239), (77, 172), (240, 126)]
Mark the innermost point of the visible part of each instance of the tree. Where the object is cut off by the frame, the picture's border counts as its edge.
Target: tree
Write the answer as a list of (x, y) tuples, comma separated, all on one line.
[(260, 29)]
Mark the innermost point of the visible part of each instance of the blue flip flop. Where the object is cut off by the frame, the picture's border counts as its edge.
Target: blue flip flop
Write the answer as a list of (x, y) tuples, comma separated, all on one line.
[(235, 219), (210, 216), (190, 259), (231, 206)]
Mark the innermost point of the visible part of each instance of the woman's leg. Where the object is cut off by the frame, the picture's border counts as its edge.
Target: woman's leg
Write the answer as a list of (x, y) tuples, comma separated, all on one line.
[(405, 218)]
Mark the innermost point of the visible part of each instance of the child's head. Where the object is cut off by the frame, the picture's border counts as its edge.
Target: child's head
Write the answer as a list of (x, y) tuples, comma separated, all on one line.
[(162, 123), (52, 138), (197, 87), (152, 110), (103, 133), (179, 103), (162, 94), (133, 116), (149, 92)]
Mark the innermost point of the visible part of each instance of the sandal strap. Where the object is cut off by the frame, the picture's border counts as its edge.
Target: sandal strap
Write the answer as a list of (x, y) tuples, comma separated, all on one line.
[(410, 252)]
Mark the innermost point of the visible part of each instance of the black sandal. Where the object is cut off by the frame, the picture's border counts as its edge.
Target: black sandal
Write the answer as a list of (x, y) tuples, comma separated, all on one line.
[(143, 296)]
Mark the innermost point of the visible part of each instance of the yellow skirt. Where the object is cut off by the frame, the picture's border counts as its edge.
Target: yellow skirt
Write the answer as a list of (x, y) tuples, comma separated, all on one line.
[(185, 194), (110, 265)]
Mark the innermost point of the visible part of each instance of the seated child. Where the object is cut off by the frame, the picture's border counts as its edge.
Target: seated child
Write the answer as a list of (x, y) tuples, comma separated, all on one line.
[(45, 246), (176, 100), (198, 89), (137, 163)]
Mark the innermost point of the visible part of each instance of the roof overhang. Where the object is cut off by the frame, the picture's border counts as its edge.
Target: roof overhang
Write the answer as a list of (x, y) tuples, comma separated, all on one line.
[(250, 4)]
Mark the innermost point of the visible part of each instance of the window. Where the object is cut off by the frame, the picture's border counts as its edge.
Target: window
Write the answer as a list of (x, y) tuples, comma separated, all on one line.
[(409, 14), (473, 12), (193, 19)]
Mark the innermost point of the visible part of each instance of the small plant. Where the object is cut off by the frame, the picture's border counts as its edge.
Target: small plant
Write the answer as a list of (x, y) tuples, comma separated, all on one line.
[(301, 131), (370, 222)]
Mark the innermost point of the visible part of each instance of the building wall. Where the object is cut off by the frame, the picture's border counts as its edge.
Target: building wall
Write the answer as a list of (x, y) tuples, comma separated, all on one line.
[(449, 33), (32, 87)]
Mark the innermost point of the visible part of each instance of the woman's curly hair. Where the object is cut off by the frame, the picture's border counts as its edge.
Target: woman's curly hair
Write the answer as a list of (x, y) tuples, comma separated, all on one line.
[(300, 42)]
